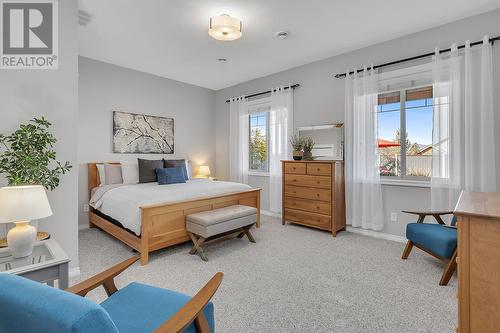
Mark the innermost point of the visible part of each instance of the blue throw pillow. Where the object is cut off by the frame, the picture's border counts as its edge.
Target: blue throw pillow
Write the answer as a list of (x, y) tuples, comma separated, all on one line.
[(170, 175)]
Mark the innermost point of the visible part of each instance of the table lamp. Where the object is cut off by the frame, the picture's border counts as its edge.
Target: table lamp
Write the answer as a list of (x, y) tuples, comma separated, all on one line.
[(204, 171), (20, 205)]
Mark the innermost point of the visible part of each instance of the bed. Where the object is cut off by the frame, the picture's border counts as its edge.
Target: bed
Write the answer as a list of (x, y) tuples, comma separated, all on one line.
[(148, 223)]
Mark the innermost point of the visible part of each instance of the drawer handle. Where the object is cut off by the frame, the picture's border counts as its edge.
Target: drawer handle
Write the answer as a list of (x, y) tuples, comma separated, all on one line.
[(294, 180), (318, 207), (317, 194), (317, 182), (317, 169)]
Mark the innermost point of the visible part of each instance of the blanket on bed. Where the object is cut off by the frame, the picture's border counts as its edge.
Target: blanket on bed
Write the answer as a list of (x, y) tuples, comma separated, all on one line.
[(122, 202)]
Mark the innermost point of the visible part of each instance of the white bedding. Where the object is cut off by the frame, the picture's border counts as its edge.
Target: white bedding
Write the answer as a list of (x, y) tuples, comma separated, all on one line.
[(122, 202)]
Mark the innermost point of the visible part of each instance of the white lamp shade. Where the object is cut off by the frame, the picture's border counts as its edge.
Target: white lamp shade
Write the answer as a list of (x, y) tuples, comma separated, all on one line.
[(23, 203), (204, 170), (224, 27)]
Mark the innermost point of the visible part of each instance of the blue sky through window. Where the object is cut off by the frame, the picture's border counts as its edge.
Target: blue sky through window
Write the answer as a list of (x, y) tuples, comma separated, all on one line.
[(418, 121)]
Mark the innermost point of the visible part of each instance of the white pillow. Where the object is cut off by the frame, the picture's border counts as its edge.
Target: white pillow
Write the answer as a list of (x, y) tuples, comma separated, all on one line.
[(100, 170), (189, 169), (130, 173)]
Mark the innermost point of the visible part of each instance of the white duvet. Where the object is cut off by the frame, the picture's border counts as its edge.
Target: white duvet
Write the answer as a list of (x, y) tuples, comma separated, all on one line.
[(123, 202)]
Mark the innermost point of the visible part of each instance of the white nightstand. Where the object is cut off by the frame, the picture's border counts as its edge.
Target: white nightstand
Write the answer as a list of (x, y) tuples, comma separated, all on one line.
[(47, 263)]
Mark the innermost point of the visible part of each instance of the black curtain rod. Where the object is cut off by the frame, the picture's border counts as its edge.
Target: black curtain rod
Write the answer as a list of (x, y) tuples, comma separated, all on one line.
[(266, 92), (492, 40)]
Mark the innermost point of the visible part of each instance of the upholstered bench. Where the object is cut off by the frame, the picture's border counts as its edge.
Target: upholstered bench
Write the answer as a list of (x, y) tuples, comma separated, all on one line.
[(209, 225)]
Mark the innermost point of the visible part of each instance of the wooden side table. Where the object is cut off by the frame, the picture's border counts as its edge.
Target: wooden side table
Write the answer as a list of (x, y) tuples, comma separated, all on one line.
[(47, 263)]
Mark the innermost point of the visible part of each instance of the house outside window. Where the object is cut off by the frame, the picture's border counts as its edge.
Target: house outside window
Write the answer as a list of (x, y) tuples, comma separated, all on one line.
[(404, 119), (258, 137)]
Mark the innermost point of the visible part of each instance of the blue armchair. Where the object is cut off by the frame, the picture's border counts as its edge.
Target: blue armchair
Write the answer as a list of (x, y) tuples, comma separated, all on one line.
[(29, 306), (439, 240)]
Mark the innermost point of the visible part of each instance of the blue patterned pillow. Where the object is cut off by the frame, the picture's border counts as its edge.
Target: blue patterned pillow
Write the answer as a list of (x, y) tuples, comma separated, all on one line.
[(170, 175)]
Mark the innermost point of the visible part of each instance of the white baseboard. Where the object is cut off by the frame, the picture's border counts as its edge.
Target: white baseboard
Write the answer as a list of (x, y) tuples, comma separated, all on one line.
[(83, 226), (268, 213), (377, 234), (74, 273)]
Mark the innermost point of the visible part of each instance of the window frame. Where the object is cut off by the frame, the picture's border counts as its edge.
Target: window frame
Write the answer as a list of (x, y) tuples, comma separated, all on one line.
[(404, 179), (255, 106)]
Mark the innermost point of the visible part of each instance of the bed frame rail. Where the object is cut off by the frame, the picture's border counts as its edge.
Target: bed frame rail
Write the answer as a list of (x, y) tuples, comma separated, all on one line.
[(164, 225)]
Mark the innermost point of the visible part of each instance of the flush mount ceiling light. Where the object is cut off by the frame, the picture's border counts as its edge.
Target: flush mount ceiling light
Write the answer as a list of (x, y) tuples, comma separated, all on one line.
[(224, 27)]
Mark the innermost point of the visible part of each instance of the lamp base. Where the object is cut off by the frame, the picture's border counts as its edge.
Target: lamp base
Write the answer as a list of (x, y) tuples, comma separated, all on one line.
[(21, 239)]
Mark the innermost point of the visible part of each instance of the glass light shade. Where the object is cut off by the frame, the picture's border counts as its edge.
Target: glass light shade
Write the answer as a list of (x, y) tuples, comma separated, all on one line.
[(23, 203), (204, 170), (224, 27)]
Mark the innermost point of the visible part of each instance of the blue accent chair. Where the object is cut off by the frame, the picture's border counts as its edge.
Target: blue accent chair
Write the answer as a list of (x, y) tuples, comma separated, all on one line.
[(439, 240), (28, 306)]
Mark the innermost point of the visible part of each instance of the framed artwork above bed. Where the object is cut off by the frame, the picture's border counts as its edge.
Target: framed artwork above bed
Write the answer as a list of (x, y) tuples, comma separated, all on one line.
[(142, 134)]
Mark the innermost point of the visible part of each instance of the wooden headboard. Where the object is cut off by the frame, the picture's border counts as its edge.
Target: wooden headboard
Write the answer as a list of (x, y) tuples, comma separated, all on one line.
[(93, 175)]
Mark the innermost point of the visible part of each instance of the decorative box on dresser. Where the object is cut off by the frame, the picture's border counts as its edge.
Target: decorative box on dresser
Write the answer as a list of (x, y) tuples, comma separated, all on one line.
[(478, 259), (313, 194)]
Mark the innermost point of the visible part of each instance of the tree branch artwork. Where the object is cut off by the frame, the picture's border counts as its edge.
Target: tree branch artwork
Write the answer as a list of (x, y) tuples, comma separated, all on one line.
[(137, 133)]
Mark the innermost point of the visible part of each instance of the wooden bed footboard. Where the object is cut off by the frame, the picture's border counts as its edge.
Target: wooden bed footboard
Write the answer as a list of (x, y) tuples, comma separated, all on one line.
[(164, 225)]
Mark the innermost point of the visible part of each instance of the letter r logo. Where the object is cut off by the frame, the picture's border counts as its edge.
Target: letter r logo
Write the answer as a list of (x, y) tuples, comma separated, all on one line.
[(27, 28)]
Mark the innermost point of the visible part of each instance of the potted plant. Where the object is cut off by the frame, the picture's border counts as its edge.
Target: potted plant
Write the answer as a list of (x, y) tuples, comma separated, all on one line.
[(27, 156), (307, 146), (297, 144)]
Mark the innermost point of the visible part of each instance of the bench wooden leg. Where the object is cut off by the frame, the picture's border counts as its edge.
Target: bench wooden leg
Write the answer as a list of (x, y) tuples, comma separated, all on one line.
[(197, 246), (241, 234), (199, 241), (249, 235)]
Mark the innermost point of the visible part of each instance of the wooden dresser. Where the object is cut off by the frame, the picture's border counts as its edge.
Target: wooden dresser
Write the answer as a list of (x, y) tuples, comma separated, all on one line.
[(313, 194), (478, 261)]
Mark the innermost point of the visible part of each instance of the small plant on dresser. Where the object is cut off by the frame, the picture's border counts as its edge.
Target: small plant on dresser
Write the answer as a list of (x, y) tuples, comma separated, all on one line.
[(297, 145)]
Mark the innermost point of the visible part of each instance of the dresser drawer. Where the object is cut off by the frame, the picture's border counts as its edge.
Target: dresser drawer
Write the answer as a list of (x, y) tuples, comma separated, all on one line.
[(295, 168), (310, 219), (321, 169), (308, 181), (308, 193), (308, 205)]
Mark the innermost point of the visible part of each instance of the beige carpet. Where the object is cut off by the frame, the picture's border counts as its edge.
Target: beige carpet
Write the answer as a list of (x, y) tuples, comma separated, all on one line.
[(296, 279)]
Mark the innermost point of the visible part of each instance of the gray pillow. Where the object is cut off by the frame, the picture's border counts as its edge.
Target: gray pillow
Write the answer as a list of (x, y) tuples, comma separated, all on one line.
[(113, 174), (147, 173), (181, 163)]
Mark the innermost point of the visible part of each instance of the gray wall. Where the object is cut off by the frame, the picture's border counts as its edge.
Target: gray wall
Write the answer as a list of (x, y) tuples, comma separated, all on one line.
[(53, 94), (104, 88), (320, 99)]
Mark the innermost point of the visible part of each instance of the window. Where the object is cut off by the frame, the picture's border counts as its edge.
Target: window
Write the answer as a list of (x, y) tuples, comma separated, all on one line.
[(258, 138), (404, 120)]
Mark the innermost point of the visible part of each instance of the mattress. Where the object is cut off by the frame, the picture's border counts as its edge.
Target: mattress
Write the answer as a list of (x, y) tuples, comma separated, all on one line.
[(122, 203)]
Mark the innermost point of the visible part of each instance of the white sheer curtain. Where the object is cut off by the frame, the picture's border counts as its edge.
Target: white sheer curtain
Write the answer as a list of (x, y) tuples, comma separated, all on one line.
[(480, 170), (362, 180), (447, 132), (238, 140), (463, 132), (280, 129)]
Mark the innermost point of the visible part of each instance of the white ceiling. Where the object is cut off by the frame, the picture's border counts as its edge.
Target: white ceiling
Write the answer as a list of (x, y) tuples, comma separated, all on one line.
[(169, 37)]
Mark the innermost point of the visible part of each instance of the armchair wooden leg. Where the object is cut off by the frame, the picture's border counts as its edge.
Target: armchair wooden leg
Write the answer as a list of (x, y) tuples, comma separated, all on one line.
[(407, 250), (449, 270)]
